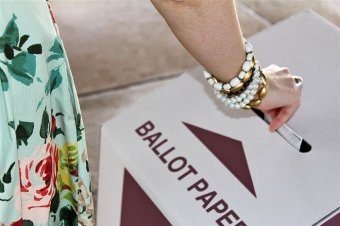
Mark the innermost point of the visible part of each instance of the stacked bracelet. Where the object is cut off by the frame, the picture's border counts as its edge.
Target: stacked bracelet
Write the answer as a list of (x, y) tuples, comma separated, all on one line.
[(247, 89)]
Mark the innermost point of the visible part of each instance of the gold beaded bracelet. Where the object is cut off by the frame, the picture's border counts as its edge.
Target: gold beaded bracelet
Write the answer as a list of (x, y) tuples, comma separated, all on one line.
[(247, 89), (262, 92)]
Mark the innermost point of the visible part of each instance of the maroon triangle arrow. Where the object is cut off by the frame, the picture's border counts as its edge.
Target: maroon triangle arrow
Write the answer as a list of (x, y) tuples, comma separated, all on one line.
[(137, 208), (334, 221), (229, 151)]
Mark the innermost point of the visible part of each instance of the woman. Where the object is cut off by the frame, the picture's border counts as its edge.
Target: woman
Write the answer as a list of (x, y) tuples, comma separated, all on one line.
[(44, 175)]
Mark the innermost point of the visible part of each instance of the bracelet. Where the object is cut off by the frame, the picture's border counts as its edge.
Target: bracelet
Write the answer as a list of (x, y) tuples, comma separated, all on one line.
[(238, 81), (247, 89), (251, 97)]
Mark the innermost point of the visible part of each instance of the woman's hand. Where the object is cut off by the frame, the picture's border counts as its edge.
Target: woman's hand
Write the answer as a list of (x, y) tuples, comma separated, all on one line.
[(283, 97)]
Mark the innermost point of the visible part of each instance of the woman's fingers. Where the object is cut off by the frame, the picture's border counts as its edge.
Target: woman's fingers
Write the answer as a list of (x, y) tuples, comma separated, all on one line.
[(272, 113), (283, 97), (282, 116)]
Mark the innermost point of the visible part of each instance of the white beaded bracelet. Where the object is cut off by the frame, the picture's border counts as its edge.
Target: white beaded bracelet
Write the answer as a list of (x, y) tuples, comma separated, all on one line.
[(247, 89), (238, 81), (257, 88), (245, 97)]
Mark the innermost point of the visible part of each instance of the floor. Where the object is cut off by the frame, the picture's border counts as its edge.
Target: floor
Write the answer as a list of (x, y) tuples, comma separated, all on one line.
[(121, 50)]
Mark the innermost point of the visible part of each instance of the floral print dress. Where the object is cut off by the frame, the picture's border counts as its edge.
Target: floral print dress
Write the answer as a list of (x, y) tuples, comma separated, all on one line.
[(44, 174)]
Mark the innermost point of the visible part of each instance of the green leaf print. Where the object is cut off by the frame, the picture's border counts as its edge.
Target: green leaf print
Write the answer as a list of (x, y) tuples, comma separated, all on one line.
[(53, 57), (54, 81), (27, 223), (57, 51), (4, 81), (45, 125), (22, 68), (7, 178), (24, 131), (11, 124), (69, 196), (59, 131), (87, 166), (35, 49), (55, 202), (9, 52), (68, 216), (40, 103), (23, 39), (78, 125), (2, 187), (39, 80), (10, 35)]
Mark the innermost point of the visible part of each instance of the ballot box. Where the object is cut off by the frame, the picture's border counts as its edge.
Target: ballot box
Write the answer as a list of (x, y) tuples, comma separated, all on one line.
[(180, 157)]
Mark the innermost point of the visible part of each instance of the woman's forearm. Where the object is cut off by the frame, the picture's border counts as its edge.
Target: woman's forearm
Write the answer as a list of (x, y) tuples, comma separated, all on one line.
[(209, 30)]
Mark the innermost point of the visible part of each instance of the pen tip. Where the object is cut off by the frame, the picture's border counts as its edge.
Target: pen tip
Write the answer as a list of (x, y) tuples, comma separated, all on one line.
[(305, 147)]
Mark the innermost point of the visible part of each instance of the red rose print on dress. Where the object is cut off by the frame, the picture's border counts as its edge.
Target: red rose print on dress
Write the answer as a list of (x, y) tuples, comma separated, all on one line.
[(38, 174)]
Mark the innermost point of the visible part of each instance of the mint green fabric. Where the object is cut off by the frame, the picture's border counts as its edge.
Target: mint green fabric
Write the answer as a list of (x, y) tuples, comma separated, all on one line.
[(44, 174)]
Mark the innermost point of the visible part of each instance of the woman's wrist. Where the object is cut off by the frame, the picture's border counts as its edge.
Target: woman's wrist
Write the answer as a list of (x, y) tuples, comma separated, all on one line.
[(245, 90), (227, 71)]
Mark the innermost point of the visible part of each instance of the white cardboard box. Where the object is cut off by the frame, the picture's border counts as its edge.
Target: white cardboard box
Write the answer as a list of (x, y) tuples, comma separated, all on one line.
[(179, 157)]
